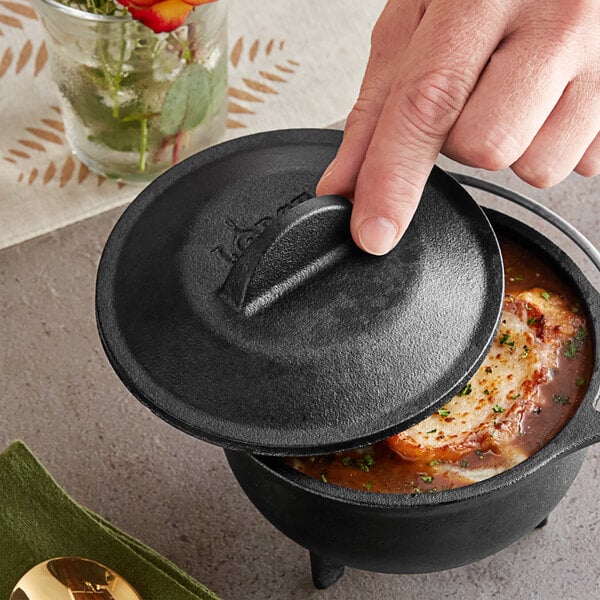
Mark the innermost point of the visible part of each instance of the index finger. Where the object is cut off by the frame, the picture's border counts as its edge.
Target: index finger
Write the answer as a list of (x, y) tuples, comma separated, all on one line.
[(438, 72)]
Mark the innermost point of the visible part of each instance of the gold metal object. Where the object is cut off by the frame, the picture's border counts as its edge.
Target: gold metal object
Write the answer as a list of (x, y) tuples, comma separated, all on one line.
[(70, 578)]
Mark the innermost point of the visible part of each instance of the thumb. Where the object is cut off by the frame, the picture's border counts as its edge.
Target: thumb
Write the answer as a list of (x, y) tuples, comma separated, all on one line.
[(408, 138), (434, 80)]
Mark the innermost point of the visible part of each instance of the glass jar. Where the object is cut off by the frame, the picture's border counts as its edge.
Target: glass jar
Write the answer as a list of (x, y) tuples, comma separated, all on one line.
[(135, 102)]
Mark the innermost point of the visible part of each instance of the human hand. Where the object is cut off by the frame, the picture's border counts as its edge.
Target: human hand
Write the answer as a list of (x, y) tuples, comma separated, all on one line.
[(490, 83)]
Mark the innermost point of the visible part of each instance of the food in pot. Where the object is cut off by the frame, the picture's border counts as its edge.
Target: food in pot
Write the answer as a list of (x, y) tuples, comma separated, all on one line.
[(529, 385)]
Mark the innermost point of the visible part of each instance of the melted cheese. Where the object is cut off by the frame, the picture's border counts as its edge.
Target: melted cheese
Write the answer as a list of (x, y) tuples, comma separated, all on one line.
[(488, 413)]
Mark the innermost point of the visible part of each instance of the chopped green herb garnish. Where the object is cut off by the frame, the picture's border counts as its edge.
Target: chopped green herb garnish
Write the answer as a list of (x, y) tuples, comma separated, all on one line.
[(362, 465), (479, 453), (531, 320), (466, 390), (505, 340), (497, 408), (426, 478), (347, 461), (443, 412), (517, 278), (464, 464), (514, 396), (562, 400), (434, 463), (580, 381), (369, 459), (546, 295), (324, 477), (432, 431), (576, 343), (486, 392), (524, 353), (368, 485), (488, 369)]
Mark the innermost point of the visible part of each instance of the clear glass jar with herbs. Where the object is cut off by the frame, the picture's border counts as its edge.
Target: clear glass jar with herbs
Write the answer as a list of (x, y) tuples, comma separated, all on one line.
[(133, 101)]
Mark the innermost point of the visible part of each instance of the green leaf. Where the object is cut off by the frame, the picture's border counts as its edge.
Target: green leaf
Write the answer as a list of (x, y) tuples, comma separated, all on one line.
[(86, 92), (187, 101), (466, 390), (218, 85)]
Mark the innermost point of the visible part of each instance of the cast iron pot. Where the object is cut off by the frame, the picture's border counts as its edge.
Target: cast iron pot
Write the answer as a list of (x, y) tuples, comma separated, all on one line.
[(159, 293), (431, 532)]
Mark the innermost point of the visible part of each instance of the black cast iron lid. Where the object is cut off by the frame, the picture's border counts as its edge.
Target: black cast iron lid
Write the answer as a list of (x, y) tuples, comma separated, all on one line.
[(238, 309)]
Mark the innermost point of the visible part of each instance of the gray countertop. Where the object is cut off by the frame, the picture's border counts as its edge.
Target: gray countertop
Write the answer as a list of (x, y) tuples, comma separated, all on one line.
[(176, 494)]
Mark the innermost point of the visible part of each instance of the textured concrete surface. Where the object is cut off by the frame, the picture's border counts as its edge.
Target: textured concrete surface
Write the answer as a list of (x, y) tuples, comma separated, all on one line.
[(59, 394)]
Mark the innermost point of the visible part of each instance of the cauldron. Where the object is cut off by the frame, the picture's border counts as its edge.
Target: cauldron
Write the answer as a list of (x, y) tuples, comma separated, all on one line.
[(418, 533), (180, 300)]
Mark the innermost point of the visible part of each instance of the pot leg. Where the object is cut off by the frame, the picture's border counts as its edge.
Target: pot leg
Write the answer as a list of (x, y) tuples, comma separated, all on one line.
[(325, 572), (542, 524)]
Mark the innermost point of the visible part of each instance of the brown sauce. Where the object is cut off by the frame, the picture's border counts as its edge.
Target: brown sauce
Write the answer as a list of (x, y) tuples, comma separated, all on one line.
[(378, 468)]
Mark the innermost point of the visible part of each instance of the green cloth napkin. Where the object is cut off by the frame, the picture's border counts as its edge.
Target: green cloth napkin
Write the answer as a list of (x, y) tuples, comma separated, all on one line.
[(38, 521)]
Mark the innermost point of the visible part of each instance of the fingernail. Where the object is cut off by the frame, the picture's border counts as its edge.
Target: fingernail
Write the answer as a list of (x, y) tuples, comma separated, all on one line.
[(377, 235), (329, 170)]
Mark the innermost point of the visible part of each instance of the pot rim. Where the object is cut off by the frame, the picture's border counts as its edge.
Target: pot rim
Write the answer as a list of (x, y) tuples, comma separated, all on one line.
[(581, 430), (83, 15)]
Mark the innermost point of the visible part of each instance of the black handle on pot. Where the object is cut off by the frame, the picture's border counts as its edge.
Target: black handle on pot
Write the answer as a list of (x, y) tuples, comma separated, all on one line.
[(297, 245), (584, 427)]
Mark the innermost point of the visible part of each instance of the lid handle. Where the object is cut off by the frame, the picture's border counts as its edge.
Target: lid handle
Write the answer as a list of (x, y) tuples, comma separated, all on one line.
[(297, 245)]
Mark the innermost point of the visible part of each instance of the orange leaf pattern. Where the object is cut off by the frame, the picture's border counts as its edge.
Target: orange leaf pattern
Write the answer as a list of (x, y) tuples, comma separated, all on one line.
[(253, 89), (24, 55), (44, 134), (11, 21), (50, 172), (67, 171), (6, 61), (20, 9), (40, 58)]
